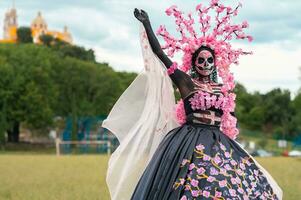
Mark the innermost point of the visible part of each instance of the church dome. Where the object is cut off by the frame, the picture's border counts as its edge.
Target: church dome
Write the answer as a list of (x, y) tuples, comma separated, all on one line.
[(39, 22)]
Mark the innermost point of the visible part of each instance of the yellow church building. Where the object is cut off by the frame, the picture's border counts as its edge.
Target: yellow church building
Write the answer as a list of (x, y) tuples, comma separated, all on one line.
[(38, 27)]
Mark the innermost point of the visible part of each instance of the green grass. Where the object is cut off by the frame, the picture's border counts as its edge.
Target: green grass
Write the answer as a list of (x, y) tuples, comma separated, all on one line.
[(47, 177)]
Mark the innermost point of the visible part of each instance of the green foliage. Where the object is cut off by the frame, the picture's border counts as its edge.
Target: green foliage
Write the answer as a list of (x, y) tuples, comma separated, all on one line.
[(68, 50), (38, 83), (24, 35), (46, 39), (274, 113)]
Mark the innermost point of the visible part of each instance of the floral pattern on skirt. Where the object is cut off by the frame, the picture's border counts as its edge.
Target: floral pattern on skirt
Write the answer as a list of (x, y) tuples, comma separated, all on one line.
[(219, 176)]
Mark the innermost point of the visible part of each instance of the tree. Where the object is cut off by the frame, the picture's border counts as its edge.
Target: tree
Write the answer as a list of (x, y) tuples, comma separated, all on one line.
[(30, 91), (37, 84), (24, 35), (46, 39), (65, 49)]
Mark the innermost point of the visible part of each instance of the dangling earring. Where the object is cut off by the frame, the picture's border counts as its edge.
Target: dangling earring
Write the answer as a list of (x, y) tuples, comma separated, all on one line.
[(193, 73), (213, 76)]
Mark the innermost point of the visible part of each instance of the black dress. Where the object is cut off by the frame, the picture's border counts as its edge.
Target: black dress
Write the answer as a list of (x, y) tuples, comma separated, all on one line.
[(198, 161)]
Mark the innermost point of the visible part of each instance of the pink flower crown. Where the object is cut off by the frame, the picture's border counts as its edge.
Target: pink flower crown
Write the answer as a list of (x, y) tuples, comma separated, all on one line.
[(216, 34)]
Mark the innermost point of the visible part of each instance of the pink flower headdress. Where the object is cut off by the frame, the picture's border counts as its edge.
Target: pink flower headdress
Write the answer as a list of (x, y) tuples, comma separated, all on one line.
[(216, 34)]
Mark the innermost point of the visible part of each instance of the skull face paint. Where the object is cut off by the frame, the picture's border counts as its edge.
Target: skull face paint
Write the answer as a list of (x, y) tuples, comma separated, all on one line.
[(204, 63)]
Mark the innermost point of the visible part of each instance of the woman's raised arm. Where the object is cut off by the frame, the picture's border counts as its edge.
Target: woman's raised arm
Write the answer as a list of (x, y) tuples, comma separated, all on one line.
[(179, 78)]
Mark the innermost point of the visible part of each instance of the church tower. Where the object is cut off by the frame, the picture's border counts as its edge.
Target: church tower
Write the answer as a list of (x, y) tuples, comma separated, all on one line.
[(10, 25)]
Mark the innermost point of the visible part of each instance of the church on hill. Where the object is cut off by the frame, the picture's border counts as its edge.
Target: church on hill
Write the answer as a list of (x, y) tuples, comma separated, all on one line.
[(38, 27)]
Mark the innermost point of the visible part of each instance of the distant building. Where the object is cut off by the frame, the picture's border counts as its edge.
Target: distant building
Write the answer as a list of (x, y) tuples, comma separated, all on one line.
[(38, 27)]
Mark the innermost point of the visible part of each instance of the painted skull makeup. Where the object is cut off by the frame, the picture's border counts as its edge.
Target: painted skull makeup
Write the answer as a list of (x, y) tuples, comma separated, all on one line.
[(204, 63)]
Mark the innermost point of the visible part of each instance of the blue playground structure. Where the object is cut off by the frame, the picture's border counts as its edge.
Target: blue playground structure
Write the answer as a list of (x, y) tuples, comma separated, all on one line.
[(297, 142), (89, 129)]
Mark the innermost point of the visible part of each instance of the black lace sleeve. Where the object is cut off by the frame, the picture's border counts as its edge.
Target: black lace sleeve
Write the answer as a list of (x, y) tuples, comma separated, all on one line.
[(180, 79)]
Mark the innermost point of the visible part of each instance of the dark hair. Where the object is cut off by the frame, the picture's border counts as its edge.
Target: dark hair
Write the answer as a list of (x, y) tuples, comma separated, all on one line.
[(193, 71)]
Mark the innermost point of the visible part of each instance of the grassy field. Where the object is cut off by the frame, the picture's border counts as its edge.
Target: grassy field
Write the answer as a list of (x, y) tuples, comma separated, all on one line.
[(47, 177)]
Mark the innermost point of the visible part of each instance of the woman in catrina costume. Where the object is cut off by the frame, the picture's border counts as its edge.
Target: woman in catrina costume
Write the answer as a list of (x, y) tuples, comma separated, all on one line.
[(186, 150)]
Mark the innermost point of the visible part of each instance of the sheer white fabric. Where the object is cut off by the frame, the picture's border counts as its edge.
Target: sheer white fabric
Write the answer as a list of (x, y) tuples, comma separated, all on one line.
[(140, 119)]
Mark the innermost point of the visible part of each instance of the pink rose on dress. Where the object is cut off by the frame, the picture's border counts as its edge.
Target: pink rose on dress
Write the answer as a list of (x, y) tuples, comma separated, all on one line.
[(232, 192), (206, 157), (223, 171), (218, 194), (233, 180), (242, 166), (223, 147), (227, 154), (238, 180), (200, 147), (233, 162), (206, 193), (239, 172), (228, 167), (191, 166), (195, 193), (245, 183), (213, 171), (240, 190), (222, 183), (185, 161), (211, 179), (194, 182), (217, 159), (201, 170)]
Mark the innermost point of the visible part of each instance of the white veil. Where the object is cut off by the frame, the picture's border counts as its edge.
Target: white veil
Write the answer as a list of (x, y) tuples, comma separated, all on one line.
[(141, 117)]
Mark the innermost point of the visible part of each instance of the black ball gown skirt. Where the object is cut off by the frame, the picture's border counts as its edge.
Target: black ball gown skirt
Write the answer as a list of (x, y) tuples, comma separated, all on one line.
[(196, 161)]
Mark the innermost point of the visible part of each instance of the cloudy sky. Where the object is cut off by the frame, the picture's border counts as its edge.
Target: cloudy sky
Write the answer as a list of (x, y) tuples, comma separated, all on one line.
[(108, 26)]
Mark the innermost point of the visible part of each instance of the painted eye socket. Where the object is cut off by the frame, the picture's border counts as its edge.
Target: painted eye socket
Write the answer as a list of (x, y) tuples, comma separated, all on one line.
[(210, 60), (201, 60)]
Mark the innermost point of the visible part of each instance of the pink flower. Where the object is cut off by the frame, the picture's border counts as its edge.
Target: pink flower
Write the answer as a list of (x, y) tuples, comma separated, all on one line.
[(217, 159), (213, 171), (233, 162), (195, 193), (180, 112), (240, 190), (185, 161), (232, 192), (206, 193), (194, 182), (200, 147), (206, 157), (222, 183), (201, 170), (170, 10), (227, 154), (191, 166), (223, 171), (242, 166), (228, 167), (238, 180), (218, 194), (211, 179)]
